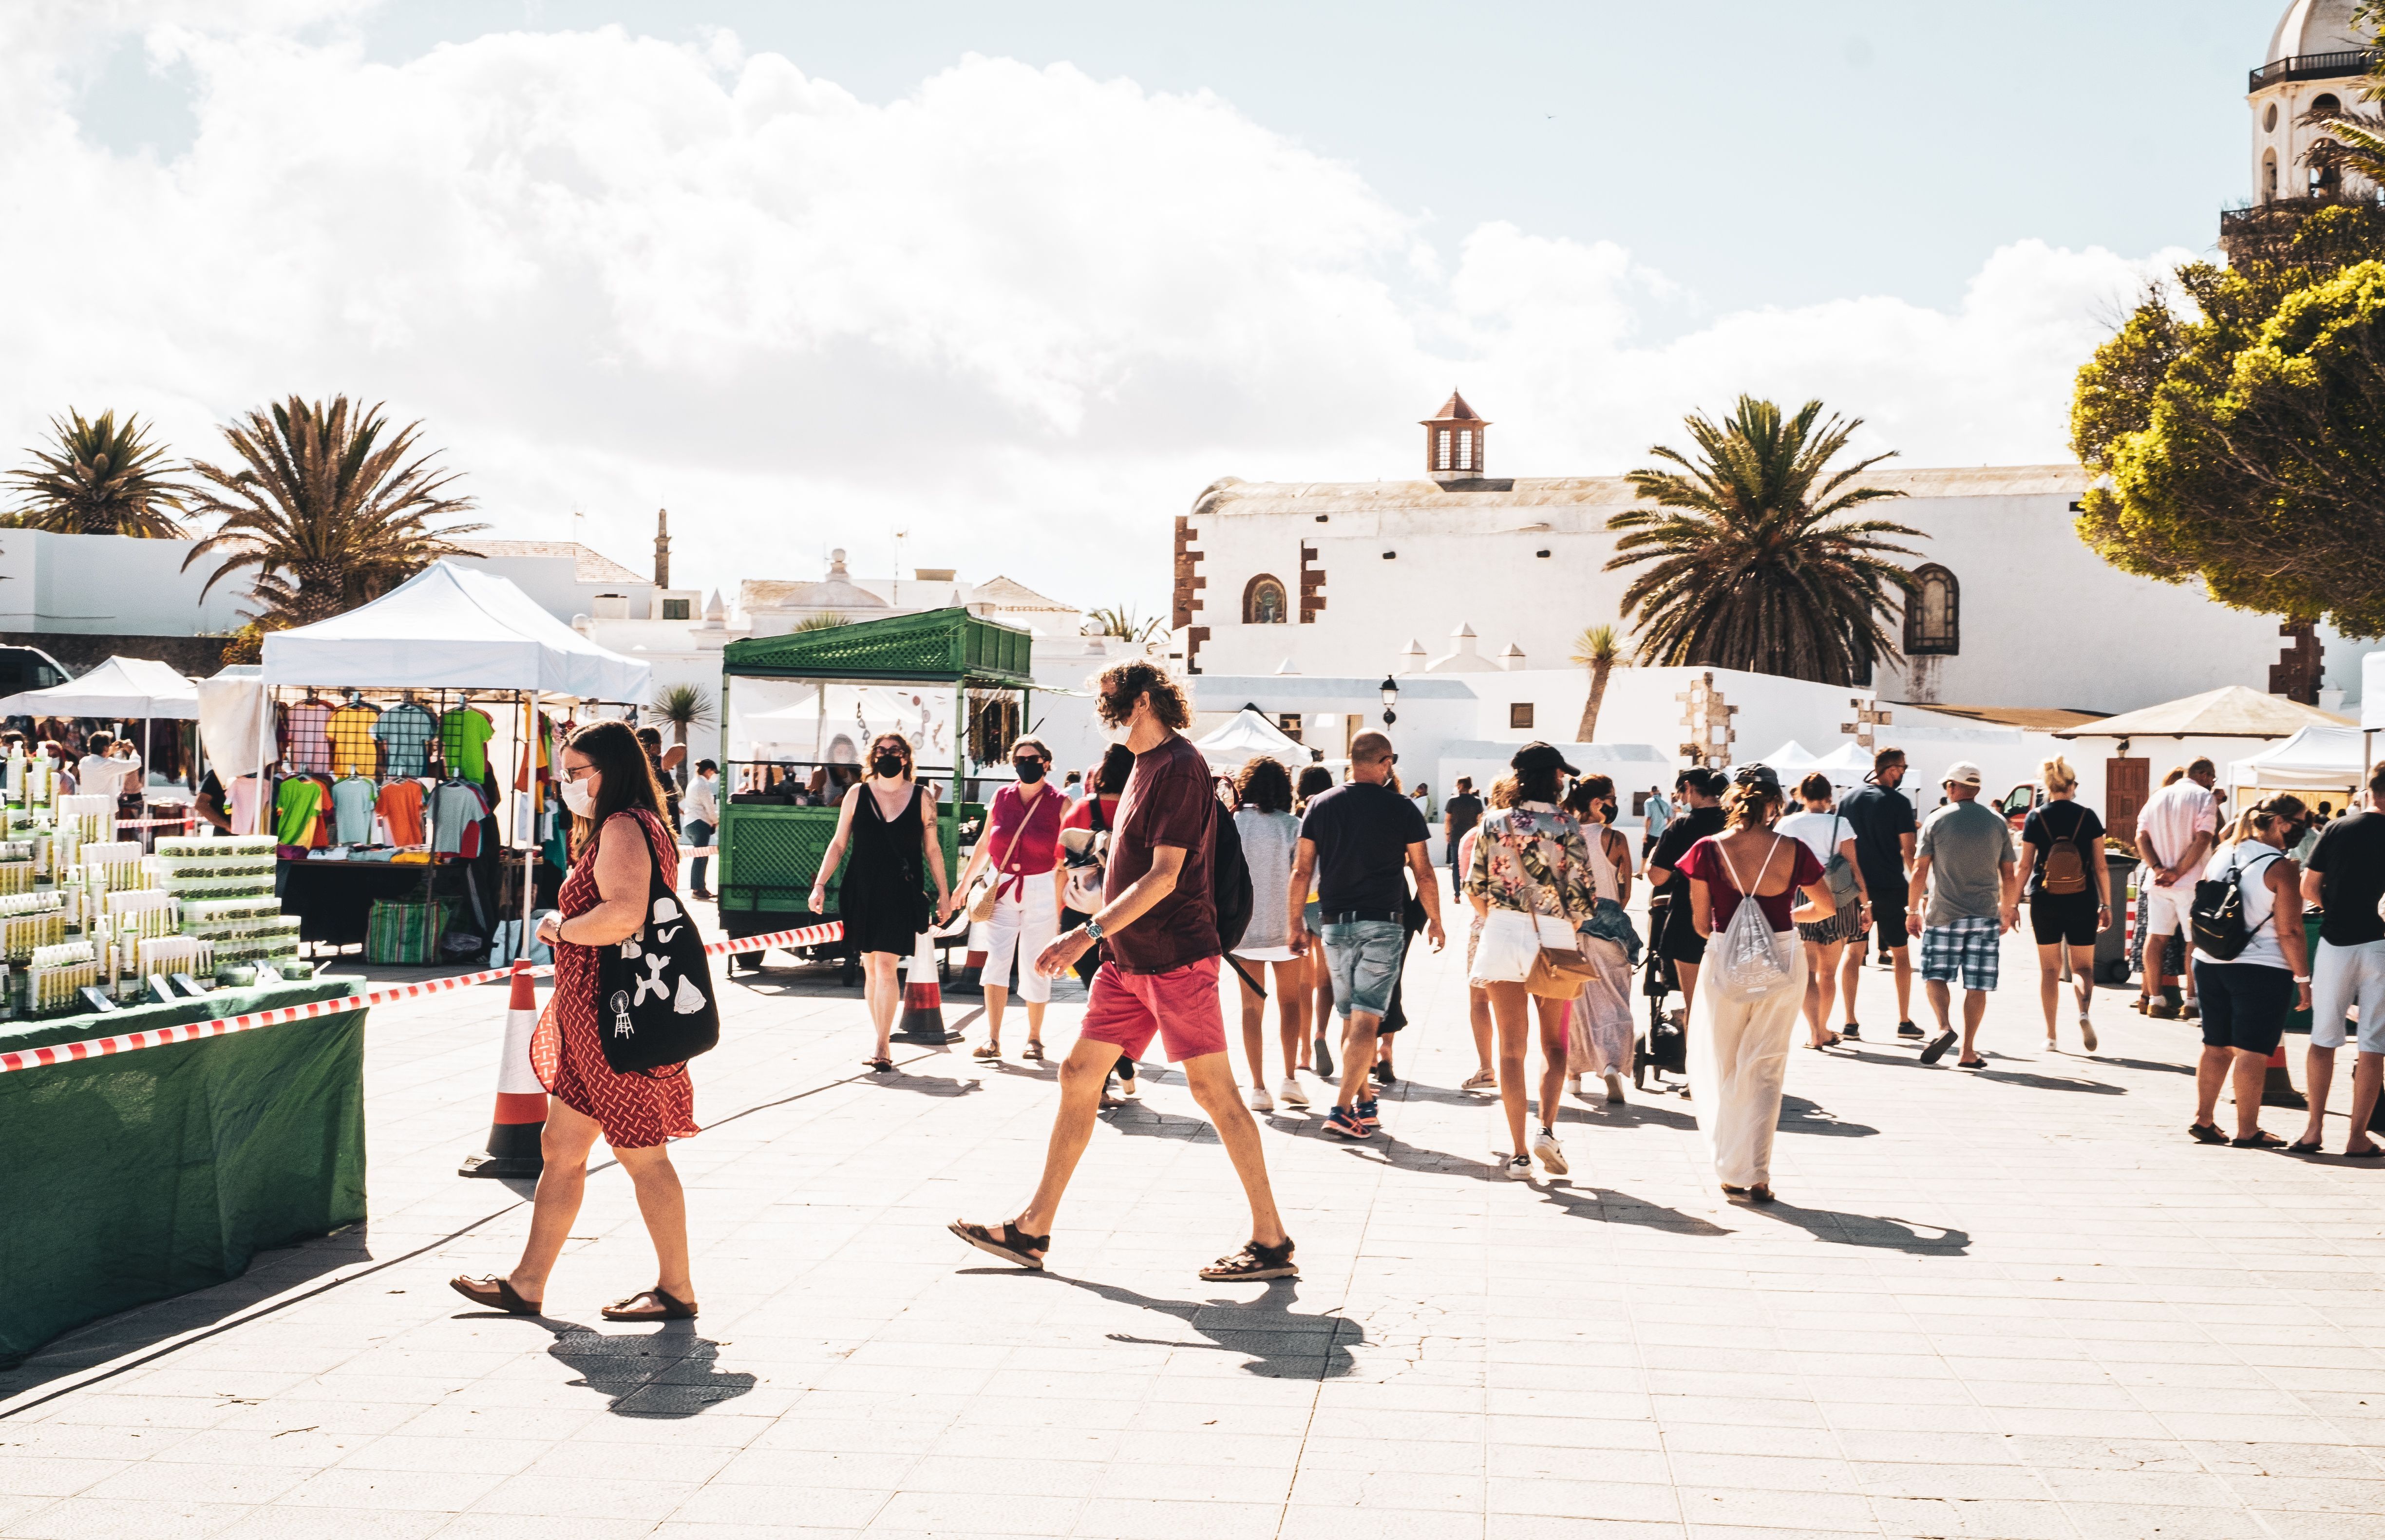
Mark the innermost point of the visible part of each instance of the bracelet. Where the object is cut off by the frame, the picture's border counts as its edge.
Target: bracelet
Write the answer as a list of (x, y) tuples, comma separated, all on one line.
[(2302, 978)]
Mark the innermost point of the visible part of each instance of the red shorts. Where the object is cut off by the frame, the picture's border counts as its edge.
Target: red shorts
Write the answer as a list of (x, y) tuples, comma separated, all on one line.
[(1124, 1010)]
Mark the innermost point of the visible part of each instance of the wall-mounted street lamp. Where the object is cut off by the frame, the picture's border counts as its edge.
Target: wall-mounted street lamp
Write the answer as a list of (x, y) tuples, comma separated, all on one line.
[(1391, 698)]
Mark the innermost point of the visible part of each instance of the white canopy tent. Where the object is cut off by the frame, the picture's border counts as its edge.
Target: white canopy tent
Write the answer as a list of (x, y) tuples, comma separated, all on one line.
[(448, 628), (2316, 759), (1249, 736), (1790, 758), (134, 688)]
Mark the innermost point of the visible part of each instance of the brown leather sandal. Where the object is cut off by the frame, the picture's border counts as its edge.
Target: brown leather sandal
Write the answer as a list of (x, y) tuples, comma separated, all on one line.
[(493, 1293), (665, 1308)]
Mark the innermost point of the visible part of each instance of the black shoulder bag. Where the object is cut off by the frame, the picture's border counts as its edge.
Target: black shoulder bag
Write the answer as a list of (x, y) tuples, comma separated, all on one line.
[(653, 989)]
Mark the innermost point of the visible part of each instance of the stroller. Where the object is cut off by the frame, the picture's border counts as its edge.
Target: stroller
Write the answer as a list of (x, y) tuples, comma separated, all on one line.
[(1664, 1049)]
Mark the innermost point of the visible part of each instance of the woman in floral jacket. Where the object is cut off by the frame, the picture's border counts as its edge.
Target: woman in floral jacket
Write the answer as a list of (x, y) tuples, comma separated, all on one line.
[(1531, 883)]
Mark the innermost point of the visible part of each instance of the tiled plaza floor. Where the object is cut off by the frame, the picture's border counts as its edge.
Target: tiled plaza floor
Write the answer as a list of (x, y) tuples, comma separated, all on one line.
[(2018, 1303)]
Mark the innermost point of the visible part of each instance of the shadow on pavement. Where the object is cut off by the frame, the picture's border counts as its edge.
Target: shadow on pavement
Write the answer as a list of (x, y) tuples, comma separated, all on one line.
[(1800, 1116), (2050, 1082), (1607, 1206), (1280, 1343), (926, 1085), (1872, 1230), (668, 1372), (2149, 1064), (1132, 1115)]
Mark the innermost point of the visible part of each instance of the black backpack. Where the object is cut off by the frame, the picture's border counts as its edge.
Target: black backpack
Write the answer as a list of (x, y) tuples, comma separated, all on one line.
[(2219, 916), (1229, 880)]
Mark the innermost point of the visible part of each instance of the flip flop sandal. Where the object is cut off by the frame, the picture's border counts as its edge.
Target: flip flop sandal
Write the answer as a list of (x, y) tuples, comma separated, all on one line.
[(2369, 1154), (2206, 1133), (1759, 1194), (881, 1066), (1010, 1243), (985, 1051), (495, 1294), (2262, 1140), (2303, 1147), (1970, 1064), (1034, 1051), (664, 1308), (1253, 1263)]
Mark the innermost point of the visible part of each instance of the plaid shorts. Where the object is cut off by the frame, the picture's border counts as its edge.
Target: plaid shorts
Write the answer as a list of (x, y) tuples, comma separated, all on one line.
[(1971, 946)]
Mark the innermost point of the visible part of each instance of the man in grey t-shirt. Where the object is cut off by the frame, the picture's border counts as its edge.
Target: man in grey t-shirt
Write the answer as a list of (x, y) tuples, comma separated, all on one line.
[(1964, 862)]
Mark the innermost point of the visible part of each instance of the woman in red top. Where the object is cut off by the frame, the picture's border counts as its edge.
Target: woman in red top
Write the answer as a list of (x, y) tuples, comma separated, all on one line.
[(1740, 1047), (1021, 842), (621, 840)]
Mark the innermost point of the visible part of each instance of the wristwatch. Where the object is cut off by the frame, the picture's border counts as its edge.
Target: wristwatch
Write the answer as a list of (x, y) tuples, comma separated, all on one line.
[(1093, 929)]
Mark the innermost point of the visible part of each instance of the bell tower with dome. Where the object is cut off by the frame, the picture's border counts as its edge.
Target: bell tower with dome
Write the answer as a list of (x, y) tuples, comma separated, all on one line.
[(2317, 60)]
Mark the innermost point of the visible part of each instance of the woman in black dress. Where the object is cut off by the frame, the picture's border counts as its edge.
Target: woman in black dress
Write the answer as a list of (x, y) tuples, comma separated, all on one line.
[(888, 822)]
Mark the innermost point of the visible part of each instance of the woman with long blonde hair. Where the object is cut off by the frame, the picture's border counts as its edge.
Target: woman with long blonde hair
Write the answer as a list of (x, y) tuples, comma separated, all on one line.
[(2069, 893)]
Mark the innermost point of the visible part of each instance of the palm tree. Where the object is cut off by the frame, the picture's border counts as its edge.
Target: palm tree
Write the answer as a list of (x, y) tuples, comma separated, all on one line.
[(683, 706), (326, 505), (1118, 620), (1598, 648), (103, 478), (827, 620), (1749, 560)]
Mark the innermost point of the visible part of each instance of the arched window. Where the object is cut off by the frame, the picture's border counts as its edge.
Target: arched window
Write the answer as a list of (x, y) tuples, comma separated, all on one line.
[(2326, 103), (1262, 601), (2269, 178), (1933, 613)]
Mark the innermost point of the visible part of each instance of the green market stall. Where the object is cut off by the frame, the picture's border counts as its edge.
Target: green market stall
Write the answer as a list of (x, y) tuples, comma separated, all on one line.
[(137, 1175), (953, 683)]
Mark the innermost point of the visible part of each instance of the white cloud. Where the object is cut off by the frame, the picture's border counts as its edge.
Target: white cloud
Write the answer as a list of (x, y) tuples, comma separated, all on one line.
[(1023, 312)]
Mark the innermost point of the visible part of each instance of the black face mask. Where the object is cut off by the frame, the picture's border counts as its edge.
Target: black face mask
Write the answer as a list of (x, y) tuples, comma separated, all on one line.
[(888, 765), (1029, 770)]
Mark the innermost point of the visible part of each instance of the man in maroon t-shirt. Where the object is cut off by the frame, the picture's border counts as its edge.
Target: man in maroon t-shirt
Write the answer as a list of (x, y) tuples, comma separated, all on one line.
[(1160, 923)]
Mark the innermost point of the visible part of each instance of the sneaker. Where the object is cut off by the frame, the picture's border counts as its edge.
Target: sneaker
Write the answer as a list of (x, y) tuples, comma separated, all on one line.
[(1367, 1115), (1906, 1029), (1614, 1088), (1290, 1093), (1519, 1168), (1343, 1124), (2162, 1011), (1260, 1101), (1852, 1032), (2087, 1033), (1128, 1086), (1577, 1085), (1384, 1076), (2189, 1011), (1938, 1047), (1552, 1154)]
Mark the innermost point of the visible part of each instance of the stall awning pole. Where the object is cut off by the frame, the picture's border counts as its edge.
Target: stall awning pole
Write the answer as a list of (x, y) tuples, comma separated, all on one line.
[(530, 845)]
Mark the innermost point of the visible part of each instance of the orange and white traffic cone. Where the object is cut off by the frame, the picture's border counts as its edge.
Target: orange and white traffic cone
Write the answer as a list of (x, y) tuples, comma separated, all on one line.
[(521, 1117), (972, 979), (2277, 1087), (923, 998)]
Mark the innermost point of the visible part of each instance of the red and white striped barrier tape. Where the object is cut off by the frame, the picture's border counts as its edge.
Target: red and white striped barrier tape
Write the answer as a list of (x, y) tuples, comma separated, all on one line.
[(157, 822), (158, 1036)]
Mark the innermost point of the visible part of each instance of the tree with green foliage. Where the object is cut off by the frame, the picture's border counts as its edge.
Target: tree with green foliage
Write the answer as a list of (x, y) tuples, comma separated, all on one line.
[(1598, 648), (331, 506), (1751, 561), (99, 477), (2241, 443)]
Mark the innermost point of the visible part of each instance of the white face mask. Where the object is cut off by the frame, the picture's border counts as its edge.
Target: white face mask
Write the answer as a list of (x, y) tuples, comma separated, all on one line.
[(579, 799)]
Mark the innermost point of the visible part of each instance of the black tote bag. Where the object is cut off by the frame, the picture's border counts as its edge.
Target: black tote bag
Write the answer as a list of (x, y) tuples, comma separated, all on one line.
[(654, 990)]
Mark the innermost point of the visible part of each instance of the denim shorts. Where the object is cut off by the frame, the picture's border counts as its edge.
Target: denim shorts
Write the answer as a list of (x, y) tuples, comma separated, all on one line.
[(1365, 957)]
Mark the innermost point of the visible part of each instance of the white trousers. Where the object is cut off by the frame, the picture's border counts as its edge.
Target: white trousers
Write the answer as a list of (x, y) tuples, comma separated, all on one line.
[(1022, 928), (1738, 1060)]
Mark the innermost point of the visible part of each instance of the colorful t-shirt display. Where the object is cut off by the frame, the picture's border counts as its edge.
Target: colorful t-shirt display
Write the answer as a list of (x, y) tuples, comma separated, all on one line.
[(352, 811), (354, 752), (401, 808), (456, 813), (308, 746), (405, 730), (296, 807), (464, 736)]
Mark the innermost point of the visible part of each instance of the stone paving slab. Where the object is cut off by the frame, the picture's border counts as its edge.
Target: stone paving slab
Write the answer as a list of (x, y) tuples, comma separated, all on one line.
[(2014, 1303)]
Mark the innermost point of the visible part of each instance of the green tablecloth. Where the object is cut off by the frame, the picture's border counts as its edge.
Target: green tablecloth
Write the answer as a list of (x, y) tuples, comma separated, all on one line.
[(140, 1175)]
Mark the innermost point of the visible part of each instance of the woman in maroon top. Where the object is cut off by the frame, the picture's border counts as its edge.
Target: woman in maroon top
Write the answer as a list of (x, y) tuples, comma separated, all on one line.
[(1021, 844), (1739, 1047)]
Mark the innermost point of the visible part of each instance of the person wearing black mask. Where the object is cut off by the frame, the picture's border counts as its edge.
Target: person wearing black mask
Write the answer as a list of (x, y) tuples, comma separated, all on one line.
[(888, 822), (1020, 847), (1700, 792)]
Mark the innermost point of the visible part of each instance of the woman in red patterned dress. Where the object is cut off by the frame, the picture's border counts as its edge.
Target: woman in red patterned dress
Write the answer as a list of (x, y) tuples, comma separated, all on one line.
[(619, 832)]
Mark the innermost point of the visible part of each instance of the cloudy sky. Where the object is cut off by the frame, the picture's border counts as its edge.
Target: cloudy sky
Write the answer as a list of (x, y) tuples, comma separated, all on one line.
[(1022, 278)]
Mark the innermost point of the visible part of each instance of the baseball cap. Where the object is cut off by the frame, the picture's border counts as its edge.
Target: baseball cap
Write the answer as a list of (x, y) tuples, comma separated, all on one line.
[(1961, 773), (1537, 755)]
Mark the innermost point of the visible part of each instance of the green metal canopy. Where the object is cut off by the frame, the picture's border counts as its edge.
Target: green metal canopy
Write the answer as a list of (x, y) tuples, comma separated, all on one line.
[(934, 644)]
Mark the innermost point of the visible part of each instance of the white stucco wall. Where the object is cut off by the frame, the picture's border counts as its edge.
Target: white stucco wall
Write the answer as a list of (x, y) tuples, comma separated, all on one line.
[(106, 583), (2044, 622)]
